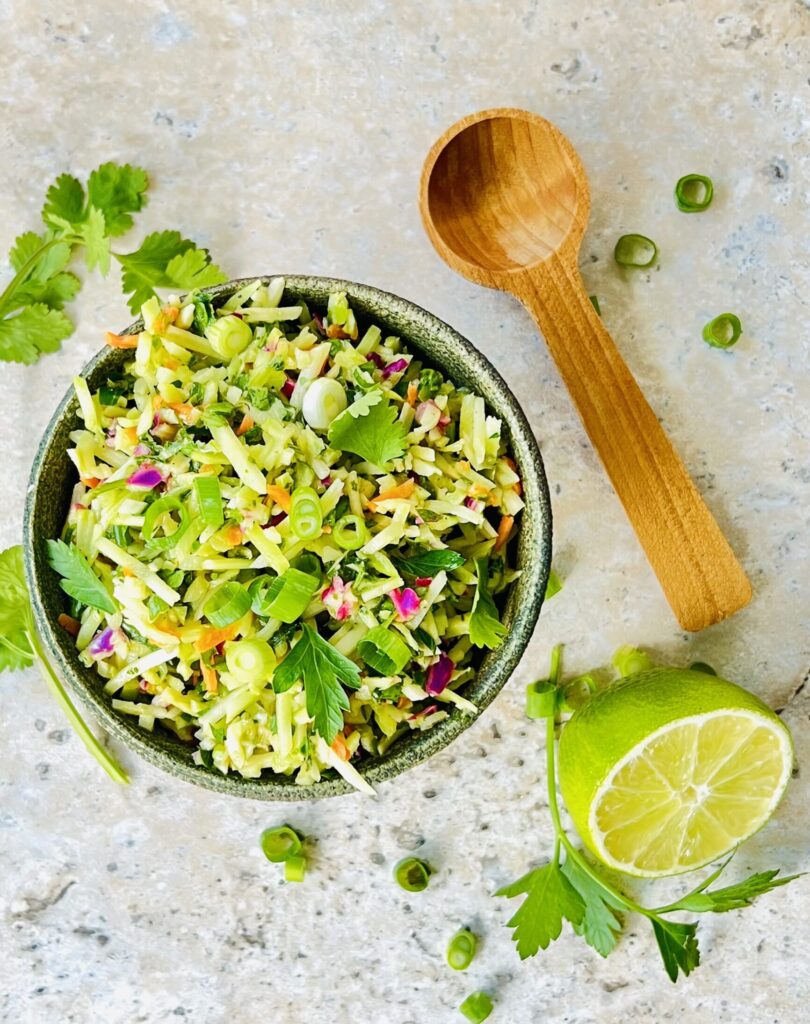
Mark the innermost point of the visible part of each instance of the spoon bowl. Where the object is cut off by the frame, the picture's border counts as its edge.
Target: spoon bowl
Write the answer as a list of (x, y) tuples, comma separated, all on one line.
[(505, 201), (504, 191)]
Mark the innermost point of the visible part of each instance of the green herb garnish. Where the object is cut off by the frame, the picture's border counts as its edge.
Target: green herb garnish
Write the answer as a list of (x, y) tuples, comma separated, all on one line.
[(370, 428)]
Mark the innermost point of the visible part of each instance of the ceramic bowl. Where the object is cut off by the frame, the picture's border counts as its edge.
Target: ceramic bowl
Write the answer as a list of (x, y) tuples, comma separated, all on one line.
[(53, 477)]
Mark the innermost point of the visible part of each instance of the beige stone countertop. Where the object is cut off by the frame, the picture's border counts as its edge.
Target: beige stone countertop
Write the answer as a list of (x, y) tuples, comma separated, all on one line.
[(289, 138)]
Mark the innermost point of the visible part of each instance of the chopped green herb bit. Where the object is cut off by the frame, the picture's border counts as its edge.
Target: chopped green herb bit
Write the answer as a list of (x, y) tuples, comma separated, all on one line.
[(476, 1007)]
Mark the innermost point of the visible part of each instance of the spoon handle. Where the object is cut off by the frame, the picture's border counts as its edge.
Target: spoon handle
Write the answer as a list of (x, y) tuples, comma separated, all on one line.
[(699, 574)]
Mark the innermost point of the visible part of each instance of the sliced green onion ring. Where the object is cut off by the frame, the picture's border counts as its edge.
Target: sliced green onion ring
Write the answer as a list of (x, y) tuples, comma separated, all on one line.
[(412, 874), (461, 950), (384, 650), (209, 500), (250, 660), (541, 699), (308, 563), (694, 193), (281, 843), (168, 503), (306, 514), (629, 660), (350, 533), (476, 1007), (283, 597), (227, 605), (724, 331), (635, 251), (295, 868)]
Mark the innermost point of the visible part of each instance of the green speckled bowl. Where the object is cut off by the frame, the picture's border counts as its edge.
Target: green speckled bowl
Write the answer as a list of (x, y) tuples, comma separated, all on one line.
[(53, 477)]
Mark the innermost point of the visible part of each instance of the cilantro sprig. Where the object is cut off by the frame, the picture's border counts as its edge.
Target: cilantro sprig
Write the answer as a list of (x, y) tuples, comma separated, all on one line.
[(322, 668), (20, 646), (79, 218), (370, 428), (486, 628), (572, 888)]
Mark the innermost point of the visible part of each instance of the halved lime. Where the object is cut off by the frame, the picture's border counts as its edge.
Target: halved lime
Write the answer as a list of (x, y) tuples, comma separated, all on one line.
[(670, 769)]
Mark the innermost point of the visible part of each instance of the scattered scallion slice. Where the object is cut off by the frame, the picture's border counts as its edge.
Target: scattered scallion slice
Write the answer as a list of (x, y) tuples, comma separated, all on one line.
[(541, 699), (635, 251), (628, 660), (723, 332), (412, 874), (595, 303), (284, 597), (209, 499), (554, 585), (694, 193), (227, 605), (384, 651), (281, 843), (350, 533), (461, 950), (308, 563), (306, 515), (476, 1007), (295, 868), (250, 660), (168, 503)]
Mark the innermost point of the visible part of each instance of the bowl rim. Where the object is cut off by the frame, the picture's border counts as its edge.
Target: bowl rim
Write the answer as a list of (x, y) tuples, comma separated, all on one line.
[(496, 666)]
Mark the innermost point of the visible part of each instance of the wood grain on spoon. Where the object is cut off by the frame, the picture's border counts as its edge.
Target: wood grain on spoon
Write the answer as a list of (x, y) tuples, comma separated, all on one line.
[(505, 201)]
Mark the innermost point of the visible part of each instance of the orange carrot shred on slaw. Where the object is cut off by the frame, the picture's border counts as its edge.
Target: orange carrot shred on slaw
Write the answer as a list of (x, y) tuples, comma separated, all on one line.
[(400, 491), (504, 529), (413, 391), (278, 496), (121, 340), (90, 481), (245, 425), (340, 748), (68, 623), (211, 638), (210, 679)]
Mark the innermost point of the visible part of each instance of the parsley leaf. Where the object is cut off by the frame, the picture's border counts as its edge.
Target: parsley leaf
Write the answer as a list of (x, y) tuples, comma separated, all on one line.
[(678, 945), (486, 628), (46, 282), (117, 190), (733, 897), (600, 927), (64, 203), (322, 668), (96, 242), (426, 563), (34, 330), (550, 897), (79, 580), (369, 428), (165, 260)]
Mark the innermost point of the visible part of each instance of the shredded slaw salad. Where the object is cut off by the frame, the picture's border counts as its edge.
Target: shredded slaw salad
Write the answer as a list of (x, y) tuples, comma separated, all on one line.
[(300, 529)]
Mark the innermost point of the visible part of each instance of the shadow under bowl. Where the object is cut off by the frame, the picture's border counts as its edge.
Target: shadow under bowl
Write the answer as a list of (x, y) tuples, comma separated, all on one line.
[(53, 477)]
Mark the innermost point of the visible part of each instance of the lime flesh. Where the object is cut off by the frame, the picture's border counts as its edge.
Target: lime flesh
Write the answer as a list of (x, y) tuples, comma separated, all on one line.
[(670, 769)]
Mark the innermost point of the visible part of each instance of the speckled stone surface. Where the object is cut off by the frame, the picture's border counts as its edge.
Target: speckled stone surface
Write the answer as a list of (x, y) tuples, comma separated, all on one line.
[(294, 137)]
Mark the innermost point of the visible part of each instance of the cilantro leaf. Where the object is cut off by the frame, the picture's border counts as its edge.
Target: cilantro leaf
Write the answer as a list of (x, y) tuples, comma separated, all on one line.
[(79, 579), (369, 428), (96, 242), (734, 897), (486, 628), (14, 604), (117, 190), (158, 264), (600, 927), (322, 668), (64, 203), (550, 897), (427, 563), (32, 331), (678, 946), (46, 281)]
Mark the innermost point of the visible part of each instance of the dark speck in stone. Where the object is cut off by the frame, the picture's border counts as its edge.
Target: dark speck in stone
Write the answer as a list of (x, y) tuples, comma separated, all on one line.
[(612, 986), (58, 736), (112, 866), (593, 257), (40, 990), (485, 827), (153, 791), (496, 733), (162, 119), (777, 170), (131, 842), (43, 770), (557, 489), (179, 1011), (429, 794), (406, 907), (760, 944), (40, 724), (377, 858)]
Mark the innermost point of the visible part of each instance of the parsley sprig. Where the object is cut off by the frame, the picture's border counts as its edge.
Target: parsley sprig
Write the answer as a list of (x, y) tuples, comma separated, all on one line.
[(572, 888), (20, 645), (79, 218)]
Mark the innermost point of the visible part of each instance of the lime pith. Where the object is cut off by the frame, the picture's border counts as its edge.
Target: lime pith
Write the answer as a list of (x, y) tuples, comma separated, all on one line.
[(670, 769)]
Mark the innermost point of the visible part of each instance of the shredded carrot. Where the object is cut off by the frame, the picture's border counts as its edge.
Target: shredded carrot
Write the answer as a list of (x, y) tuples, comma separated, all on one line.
[(211, 638), (121, 340), (185, 413), (170, 362), (340, 748), (518, 487), (336, 331), (413, 391), (245, 425), (70, 624), (504, 529), (403, 703), (400, 491), (210, 680), (278, 496), (232, 535), (90, 481), (131, 434)]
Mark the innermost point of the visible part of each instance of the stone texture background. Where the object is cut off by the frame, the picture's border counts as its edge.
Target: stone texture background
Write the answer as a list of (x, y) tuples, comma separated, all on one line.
[(290, 138)]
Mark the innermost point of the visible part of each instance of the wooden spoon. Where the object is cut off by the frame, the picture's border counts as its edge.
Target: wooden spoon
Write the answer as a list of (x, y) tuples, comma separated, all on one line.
[(505, 201)]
